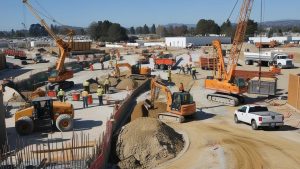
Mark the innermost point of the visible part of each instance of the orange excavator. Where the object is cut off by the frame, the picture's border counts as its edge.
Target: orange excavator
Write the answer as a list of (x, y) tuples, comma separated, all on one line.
[(228, 88), (136, 70), (59, 75), (179, 104)]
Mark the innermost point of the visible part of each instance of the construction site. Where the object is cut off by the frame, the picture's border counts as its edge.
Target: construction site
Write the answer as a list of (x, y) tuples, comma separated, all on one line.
[(181, 102)]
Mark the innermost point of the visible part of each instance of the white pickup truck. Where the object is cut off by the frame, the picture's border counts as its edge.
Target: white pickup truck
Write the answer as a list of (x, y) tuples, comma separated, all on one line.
[(258, 116)]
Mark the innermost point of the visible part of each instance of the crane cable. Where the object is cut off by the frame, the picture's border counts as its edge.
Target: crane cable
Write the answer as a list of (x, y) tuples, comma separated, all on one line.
[(232, 10)]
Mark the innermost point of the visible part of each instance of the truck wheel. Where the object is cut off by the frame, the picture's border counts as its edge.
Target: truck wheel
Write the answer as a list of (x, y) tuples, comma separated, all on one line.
[(254, 125), (279, 65), (155, 66), (236, 120), (162, 67), (64, 122), (24, 125)]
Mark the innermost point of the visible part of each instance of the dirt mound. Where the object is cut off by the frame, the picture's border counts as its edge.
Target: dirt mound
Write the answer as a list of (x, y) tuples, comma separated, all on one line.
[(127, 84), (146, 143), (140, 111)]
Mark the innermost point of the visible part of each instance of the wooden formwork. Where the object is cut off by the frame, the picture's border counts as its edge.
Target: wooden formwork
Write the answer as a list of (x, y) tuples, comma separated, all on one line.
[(294, 91)]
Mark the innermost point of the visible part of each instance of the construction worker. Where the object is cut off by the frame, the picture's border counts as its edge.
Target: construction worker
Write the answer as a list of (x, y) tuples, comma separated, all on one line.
[(106, 85), (91, 67), (182, 69), (194, 72), (86, 86), (100, 95), (189, 69), (169, 75), (111, 66), (181, 88), (85, 95), (61, 95)]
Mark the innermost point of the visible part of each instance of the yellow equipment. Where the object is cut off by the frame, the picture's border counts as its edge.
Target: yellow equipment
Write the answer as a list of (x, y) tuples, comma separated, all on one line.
[(179, 104), (228, 88), (59, 75), (44, 115), (135, 69)]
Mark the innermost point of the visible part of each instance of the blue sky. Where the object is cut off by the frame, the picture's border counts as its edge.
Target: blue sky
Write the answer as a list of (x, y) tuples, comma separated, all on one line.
[(139, 12)]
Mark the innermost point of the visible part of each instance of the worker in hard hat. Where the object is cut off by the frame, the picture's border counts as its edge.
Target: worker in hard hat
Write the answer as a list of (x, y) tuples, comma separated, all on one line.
[(85, 95), (107, 84), (61, 95), (194, 72), (86, 86), (100, 93)]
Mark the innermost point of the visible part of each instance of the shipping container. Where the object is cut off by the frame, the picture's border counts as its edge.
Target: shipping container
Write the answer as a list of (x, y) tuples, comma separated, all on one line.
[(81, 46), (262, 86), (208, 63)]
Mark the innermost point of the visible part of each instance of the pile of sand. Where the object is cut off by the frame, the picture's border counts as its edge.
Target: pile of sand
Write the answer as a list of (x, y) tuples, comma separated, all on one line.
[(127, 84), (146, 143)]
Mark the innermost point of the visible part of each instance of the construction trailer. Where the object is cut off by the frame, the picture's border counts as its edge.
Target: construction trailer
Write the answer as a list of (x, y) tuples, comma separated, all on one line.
[(183, 42)]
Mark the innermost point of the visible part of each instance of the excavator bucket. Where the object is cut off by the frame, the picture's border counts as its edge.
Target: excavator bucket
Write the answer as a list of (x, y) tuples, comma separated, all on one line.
[(148, 105)]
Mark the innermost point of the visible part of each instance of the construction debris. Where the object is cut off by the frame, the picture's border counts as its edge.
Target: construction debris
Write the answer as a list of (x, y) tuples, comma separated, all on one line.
[(146, 143)]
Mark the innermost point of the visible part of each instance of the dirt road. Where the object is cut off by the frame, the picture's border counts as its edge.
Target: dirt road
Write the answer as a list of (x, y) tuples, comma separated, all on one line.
[(240, 148)]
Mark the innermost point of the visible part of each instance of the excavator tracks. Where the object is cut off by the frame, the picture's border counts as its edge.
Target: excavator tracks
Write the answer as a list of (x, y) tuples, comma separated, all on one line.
[(170, 117), (230, 100)]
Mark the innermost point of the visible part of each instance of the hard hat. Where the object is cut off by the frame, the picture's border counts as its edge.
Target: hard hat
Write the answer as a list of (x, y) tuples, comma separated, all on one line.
[(99, 86), (60, 89)]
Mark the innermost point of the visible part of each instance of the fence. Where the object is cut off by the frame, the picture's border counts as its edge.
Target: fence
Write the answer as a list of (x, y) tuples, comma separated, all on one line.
[(78, 152)]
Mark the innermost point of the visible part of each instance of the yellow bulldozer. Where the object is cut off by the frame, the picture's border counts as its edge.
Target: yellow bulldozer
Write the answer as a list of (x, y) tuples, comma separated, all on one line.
[(44, 115)]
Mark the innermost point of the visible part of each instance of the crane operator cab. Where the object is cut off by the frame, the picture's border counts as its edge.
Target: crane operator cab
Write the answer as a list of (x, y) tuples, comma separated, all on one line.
[(180, 99), (240, 82)]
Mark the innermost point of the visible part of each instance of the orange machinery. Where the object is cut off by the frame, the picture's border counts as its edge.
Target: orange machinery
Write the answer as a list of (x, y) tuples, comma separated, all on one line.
[(179, 104), (59, 75), (228, 88), (135, 69)]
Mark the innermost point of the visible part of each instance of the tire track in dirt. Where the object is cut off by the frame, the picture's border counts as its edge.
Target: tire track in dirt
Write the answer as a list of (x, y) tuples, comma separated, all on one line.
[(244, 149)]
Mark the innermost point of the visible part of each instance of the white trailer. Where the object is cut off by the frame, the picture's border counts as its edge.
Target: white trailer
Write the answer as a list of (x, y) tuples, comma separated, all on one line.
[(269, 58)]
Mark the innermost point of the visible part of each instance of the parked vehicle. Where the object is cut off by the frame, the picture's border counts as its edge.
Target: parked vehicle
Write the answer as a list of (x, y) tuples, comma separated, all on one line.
[(280, 59), (258, 116), (18, 54), (38, 58), (164, 61)]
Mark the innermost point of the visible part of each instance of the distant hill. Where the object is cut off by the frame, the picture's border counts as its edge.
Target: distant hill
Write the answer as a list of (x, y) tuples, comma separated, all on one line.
[(282, 23)]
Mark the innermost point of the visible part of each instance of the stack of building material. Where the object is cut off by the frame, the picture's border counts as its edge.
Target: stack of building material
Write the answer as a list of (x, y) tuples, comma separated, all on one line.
[(294, 91)]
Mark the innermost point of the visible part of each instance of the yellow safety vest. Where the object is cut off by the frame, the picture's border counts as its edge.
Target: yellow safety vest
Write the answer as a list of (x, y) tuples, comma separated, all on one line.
[(61, 93), (86, 83), (99, 92), (85, 94), (107, 82)]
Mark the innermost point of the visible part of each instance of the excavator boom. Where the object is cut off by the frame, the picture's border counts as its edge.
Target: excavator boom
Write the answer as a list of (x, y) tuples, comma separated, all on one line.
[(59, 75), (228, 87)]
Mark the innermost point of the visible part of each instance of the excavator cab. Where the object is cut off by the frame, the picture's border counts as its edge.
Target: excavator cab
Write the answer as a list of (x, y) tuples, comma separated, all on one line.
[(181, 98)]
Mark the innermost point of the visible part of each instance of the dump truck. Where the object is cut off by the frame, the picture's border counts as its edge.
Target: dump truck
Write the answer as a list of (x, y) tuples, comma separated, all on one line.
[(269, 58), (164, 61)]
